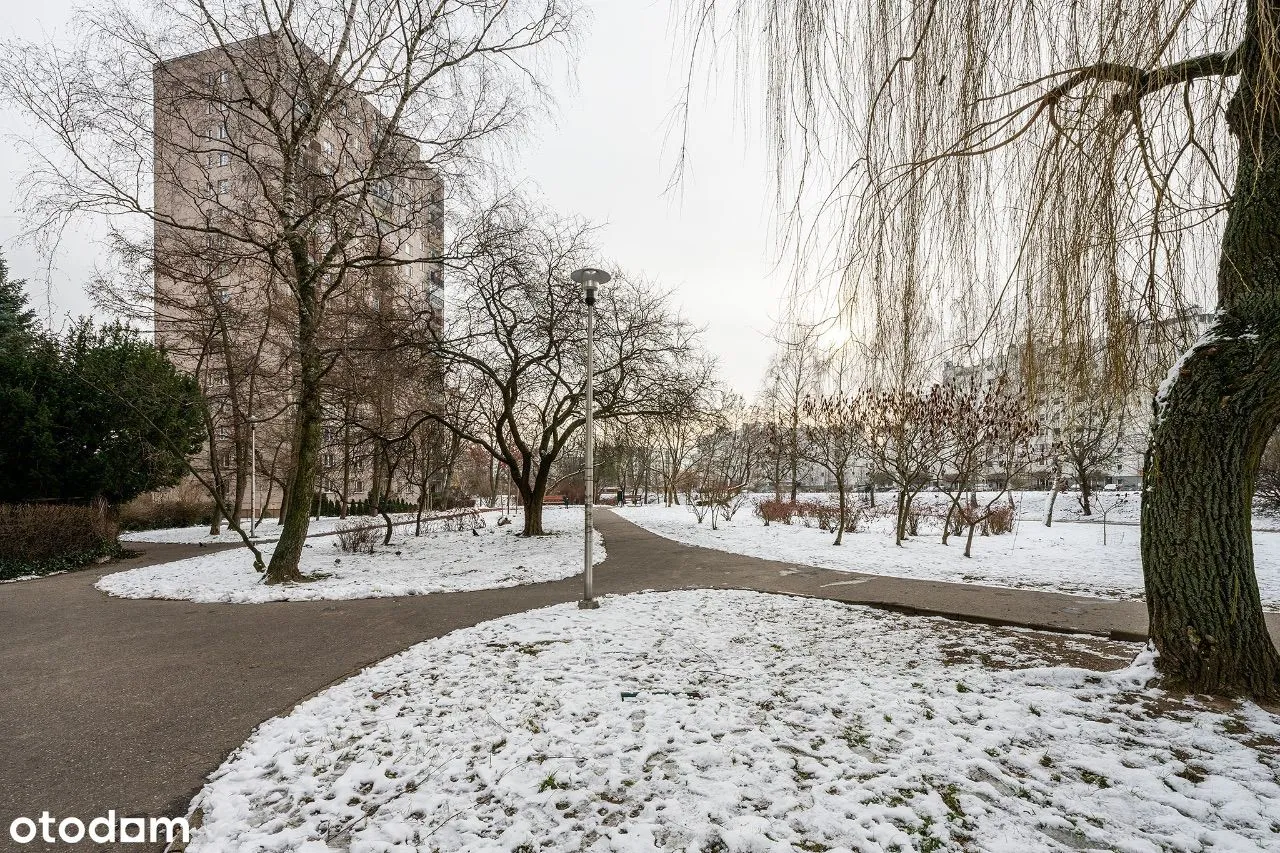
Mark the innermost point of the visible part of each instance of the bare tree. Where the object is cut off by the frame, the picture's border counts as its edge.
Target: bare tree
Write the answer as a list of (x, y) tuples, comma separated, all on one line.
[(676, 433), (726, 457), (478, 474), (1005, 428), (515, 345), (792, 377), (1091, 437), (964, 451), (905, 437), (835, 439), (1073, 166), (774, 438), (300, 147), (625, 452)]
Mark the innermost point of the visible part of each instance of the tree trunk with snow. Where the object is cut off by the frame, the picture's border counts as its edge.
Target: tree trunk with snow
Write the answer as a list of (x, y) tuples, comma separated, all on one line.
[(1214, 415)]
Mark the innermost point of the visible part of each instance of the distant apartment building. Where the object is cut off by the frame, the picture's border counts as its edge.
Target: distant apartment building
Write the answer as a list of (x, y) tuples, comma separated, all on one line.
[(250, 140), (1063, 405)]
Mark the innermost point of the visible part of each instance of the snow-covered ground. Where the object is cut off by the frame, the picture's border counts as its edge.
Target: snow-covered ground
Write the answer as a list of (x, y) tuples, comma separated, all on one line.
[(267, 530), (737, 721), (435, 562), (1066, 557)]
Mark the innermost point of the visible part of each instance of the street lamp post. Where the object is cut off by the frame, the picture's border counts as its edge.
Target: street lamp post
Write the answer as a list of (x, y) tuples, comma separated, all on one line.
[(253, 479), (590, 279)]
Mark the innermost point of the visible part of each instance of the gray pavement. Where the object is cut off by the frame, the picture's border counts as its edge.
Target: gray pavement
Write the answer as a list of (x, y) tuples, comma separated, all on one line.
[(125, 704)]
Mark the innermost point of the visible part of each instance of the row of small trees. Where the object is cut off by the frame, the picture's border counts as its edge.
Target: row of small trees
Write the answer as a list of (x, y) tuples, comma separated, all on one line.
[(951, 436), (713, 451)]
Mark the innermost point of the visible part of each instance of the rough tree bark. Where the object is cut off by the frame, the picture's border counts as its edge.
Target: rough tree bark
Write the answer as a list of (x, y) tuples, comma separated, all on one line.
[(1086, 493), (532, 499), (1214, 416), (307, 439)]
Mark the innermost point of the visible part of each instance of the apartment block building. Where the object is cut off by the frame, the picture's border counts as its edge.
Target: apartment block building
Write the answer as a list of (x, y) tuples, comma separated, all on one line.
[(274, 173), (1065, 406)]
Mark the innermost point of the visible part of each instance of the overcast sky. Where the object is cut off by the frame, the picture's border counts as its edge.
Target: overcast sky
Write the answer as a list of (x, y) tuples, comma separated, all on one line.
[(608, 155)]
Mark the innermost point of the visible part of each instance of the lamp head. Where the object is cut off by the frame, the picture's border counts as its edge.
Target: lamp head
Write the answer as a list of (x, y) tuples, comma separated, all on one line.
[(590, 279)]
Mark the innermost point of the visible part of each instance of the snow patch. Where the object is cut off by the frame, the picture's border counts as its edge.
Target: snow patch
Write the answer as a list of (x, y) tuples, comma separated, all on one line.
[(737, 721), (411, 565)]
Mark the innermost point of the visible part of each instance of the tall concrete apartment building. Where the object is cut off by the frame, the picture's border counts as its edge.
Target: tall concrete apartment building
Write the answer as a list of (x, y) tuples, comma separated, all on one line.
[(252, 139)]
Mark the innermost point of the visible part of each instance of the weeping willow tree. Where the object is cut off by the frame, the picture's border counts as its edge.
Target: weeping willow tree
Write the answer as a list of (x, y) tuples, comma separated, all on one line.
[(1069, 179)]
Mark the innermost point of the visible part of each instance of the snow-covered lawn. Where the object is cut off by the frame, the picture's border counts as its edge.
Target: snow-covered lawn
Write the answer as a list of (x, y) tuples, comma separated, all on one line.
[(1066, 557), (268, 529), (737, 721), (435, 562)]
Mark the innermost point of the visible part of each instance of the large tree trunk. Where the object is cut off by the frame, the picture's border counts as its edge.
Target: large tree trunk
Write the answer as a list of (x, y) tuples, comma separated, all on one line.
[(422, 503), (1086, 492), (968, 542), (532, 515), (307, 438), (532, 496), (1213, 418)]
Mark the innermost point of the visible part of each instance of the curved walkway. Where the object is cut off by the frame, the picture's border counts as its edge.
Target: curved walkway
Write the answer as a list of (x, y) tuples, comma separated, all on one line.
[(124, 704)]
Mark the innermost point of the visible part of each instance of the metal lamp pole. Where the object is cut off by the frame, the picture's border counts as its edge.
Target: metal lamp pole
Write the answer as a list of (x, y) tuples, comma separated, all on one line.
[(590, 279), (253, 479)]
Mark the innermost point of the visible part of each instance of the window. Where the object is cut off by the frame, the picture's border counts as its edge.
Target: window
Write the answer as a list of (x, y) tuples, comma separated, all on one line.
[(217, 78), (219, 130), (224, 186), (326, 146), (224, 158)]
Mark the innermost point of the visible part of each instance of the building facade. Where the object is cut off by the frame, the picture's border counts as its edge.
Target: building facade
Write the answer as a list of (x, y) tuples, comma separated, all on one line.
[(278, 185)]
